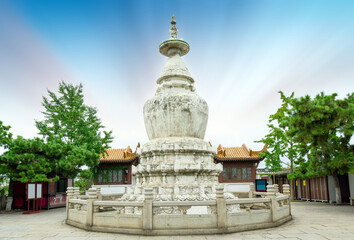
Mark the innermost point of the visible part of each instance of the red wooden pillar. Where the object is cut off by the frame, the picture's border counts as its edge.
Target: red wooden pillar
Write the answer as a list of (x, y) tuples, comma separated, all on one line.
[(314, 182), (254, 174), (220, 178), (130, 175), (318, 189)]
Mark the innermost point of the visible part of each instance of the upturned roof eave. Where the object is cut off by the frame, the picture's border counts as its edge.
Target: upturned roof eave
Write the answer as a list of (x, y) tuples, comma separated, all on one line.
[(238, 159), (119, 160)]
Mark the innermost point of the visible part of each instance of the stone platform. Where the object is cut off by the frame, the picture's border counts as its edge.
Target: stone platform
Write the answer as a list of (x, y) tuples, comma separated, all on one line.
[(310, 221)]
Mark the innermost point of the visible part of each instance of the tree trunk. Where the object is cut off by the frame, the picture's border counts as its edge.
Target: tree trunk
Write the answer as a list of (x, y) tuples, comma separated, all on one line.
[(11, 188), (273, 177), (337, 188), (10, 196), (292, 181)]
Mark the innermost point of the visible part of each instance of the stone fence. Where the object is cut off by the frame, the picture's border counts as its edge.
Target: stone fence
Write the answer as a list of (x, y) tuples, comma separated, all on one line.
[(177, 217)]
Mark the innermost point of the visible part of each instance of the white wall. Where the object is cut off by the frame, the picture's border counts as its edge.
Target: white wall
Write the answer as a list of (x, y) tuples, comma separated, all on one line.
[(351, 184), (237, 187), (331, 190), (111, 189)]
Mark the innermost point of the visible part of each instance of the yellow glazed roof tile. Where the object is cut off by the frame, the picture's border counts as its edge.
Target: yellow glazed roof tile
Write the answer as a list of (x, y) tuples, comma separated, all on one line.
[(238, 153), (118, 155)]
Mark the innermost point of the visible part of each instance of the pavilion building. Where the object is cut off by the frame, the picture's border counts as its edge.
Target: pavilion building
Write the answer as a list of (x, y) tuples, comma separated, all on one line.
[(239, 163), (115, 167)]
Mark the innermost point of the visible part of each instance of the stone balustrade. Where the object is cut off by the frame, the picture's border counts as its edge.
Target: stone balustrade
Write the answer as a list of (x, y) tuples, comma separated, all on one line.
[(149, 217)]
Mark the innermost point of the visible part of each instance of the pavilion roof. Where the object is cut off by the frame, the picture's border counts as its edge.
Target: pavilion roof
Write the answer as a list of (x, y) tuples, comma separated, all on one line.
[(119, 155), (238, 153)]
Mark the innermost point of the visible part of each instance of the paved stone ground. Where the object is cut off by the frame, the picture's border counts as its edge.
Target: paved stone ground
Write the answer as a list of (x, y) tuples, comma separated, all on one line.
[(311, 221)]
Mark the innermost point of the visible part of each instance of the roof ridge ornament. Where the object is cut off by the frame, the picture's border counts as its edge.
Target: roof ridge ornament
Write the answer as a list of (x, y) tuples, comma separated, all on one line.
[(173, 30)]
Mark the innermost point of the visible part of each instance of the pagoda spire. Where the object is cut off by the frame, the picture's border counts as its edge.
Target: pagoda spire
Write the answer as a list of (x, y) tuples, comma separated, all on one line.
[(173, 43), (173, 30), (175, 73)]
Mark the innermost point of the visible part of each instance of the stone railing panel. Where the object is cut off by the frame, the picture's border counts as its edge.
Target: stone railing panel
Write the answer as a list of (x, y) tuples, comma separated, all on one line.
[(247, 204), (262, 194), (282, 200), (181, 207), (78, 204), (134, 208)]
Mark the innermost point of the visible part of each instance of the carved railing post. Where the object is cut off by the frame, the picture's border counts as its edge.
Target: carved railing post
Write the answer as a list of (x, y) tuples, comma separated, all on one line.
[(286, 189), (77, 192), (69, 195), (99, 194), (251, 192), (273, 202), (270, 191), (92, 196), (221, 207), (276, 189), (147, 209), (273, 208)]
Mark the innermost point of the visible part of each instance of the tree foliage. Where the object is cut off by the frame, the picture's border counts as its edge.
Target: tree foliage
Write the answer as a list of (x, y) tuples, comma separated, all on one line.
[(5, 136), (76, 128), (83, 183), (280, 138), (324, 125), (5, 141), (71, 140), (29, 160), (315, 133)]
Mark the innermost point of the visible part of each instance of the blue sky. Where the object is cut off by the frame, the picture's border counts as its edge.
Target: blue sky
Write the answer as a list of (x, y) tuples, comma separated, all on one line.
[(242, 54)]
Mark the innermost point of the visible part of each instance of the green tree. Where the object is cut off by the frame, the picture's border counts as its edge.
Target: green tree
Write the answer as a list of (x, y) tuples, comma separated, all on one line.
[(82, 183), (325, 125), (29, 160), (76, 128), (26, 160), (5, 136), (5, 141), (280, 138)]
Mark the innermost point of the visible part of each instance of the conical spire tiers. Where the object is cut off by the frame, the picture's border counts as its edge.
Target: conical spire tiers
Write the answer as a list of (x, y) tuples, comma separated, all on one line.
[(175, 67), (175, 72)]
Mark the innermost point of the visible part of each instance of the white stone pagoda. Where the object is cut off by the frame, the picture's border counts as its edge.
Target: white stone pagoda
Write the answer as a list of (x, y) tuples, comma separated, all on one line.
[(176, 162), (177, 190)]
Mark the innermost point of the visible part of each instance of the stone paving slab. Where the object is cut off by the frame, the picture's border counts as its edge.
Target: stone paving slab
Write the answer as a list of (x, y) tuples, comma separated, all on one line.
[(311, 221)]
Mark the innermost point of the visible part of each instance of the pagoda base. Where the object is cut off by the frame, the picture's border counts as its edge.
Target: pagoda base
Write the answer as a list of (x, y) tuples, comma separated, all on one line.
[(177, 169)]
